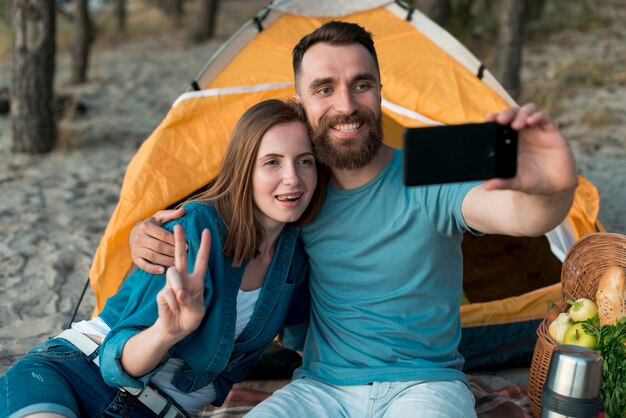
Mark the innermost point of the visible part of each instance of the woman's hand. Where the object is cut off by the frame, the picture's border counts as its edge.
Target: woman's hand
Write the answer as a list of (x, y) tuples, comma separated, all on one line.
[(181, 302)]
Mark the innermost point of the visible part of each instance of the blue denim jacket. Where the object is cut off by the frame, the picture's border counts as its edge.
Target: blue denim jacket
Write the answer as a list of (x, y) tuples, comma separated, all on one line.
[(210, 353)]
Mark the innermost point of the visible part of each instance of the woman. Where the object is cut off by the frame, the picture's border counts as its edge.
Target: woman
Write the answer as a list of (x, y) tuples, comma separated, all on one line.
[(189, 335)]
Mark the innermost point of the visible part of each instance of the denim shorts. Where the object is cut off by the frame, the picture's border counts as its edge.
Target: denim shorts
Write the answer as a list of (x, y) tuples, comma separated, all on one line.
[(57, 377)]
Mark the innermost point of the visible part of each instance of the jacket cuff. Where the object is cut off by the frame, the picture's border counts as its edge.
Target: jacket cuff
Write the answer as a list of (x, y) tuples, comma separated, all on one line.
[(110, 362)]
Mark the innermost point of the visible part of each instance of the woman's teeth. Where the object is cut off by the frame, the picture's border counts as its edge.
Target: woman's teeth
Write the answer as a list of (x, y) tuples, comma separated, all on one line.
[(289, 197)]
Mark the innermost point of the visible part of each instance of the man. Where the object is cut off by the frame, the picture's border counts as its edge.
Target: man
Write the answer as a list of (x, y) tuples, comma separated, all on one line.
[(386, 262)]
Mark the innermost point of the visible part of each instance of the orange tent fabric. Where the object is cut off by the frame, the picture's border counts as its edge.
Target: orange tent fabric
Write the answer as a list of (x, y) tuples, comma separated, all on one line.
[(428, 78)]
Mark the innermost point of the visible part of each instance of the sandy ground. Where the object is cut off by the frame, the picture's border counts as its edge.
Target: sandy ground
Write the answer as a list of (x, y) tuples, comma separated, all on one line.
[(54, 208)]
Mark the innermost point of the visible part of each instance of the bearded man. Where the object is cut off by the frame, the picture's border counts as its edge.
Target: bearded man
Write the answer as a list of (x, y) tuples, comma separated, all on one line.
[(386, 262)]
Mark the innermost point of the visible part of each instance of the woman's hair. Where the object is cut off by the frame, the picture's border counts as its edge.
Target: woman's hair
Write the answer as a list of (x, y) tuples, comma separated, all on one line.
[(231, 190)]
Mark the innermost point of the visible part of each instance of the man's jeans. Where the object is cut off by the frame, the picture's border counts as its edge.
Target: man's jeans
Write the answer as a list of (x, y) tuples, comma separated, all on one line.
[(57, 377), (304, 398)]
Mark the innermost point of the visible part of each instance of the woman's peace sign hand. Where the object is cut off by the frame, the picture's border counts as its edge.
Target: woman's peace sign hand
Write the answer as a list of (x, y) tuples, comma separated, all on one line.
[(181, 302)]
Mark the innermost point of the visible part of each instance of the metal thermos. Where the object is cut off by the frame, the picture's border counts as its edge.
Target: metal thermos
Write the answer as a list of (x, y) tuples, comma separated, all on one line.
[(572, 387)]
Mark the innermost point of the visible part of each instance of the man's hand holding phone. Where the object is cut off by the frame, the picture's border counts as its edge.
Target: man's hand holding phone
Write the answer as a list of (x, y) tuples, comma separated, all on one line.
[(517, 149), (545, 163)]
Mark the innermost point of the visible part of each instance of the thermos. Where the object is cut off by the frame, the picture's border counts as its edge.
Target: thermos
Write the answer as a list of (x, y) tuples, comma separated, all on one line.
[(572, 387)]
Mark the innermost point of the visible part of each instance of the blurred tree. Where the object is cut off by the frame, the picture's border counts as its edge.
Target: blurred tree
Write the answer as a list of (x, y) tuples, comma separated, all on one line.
[(534, 9), (510, 16), (34, 32), (174, 9), (81, 44), (437, 10), (119, 7), (203, 25)]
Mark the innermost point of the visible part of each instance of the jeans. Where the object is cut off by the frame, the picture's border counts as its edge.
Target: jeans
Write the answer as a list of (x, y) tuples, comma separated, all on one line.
[(306, 397), (57, 377)]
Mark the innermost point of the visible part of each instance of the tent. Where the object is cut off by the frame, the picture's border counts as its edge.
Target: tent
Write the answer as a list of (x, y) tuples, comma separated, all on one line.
[(429, 78)]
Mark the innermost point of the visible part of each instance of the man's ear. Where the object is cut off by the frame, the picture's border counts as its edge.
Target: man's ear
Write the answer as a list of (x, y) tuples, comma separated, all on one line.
[(296, 98)]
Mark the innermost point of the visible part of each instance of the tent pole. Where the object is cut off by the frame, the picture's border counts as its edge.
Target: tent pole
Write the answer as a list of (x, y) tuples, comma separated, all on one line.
[(80, 301)]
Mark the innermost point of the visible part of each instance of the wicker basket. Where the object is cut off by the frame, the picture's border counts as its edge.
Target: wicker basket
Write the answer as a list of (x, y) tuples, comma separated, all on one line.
[(584, 265)]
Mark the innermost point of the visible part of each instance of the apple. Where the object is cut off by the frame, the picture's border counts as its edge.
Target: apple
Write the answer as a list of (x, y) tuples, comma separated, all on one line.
[(581, 334), (559, 326), (582, 309)]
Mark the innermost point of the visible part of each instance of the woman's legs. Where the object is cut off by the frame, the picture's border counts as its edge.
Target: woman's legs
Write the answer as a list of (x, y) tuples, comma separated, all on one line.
[(57, 379), (38, 383)]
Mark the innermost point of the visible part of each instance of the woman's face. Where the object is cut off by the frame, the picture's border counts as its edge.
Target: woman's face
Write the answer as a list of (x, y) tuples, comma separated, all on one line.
[(284, 175)]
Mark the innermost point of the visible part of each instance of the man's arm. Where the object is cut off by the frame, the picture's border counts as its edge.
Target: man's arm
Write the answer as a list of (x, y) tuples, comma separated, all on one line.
[(152, 246), (539, 197)]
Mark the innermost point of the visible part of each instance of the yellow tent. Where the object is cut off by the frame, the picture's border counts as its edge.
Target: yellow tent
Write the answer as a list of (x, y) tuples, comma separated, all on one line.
[(428, 76)]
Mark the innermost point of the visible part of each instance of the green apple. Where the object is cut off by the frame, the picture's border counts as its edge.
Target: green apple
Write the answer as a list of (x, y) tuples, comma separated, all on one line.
[(581, 334), (582, 309)]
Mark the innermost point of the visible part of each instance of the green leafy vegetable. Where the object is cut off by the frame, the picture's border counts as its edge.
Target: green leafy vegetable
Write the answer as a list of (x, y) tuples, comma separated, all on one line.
[(611, 346)]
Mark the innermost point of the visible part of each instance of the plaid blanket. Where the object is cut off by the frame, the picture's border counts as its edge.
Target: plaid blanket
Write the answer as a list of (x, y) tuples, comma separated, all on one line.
[(495, 397)]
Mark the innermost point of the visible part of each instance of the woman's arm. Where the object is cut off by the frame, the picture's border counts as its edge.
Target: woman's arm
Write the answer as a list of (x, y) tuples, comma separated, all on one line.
[(180, 305)]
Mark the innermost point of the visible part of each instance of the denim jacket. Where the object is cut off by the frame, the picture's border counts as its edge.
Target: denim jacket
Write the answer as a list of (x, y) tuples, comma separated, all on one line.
[(210, 353)]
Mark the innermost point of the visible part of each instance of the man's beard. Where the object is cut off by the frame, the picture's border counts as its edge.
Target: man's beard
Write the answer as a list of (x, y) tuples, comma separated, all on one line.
[(359, 152)]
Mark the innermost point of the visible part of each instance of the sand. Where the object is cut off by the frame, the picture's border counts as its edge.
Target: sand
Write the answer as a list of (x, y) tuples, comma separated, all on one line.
[(54, 208)]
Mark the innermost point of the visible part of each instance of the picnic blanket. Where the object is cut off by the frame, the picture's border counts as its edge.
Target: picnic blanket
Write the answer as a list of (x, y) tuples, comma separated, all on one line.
[(495, 396)]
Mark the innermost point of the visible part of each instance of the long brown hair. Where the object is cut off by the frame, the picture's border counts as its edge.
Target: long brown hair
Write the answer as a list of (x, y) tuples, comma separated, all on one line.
[(231, 191)]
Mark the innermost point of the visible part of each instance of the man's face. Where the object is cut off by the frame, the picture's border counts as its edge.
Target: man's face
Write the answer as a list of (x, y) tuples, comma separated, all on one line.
[(339, 87)]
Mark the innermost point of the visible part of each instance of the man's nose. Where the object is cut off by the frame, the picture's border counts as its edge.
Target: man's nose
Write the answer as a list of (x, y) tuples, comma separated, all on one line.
[(346, 102)]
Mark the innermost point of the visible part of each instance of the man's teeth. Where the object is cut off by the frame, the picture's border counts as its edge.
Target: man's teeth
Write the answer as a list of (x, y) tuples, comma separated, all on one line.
[(347, 127), (289, 197)]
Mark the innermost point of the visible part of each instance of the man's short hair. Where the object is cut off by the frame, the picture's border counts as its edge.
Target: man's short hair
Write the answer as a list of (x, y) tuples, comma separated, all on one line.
[(334, 33)]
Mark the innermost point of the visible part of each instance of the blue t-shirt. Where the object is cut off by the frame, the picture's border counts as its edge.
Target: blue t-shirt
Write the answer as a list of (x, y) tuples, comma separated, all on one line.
[(386, 282)]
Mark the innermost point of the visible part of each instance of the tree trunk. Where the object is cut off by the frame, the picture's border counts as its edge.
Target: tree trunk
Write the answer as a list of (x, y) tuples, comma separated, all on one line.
[(32, 117), (174, 10), (437, 10), (203, 25), (120, 14), (509, 44), (534, 9), (81, 44)]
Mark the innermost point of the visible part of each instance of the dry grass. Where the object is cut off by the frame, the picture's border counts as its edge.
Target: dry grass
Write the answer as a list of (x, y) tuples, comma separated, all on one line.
[(569, 76), (143, 20), (67, 138), (597, 115)]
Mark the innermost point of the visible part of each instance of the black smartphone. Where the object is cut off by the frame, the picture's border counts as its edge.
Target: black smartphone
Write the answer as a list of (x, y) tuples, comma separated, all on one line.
[(457, 153)]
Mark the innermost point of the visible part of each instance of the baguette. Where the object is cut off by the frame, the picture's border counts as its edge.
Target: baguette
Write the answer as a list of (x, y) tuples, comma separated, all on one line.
[(611, 296)]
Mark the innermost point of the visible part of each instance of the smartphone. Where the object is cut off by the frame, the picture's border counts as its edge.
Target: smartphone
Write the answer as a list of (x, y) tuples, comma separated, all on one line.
[(458, 153)]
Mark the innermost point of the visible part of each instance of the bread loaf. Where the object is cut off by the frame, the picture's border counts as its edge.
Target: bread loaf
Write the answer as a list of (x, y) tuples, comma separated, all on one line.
[(611, 296)]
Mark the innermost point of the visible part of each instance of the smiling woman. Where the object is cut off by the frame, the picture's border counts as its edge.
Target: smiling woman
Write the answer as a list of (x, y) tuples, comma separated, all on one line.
[(284, 175), (183, 338)]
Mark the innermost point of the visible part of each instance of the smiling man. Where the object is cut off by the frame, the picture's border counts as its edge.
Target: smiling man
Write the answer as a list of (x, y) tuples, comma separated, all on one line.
[(386, 262)]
